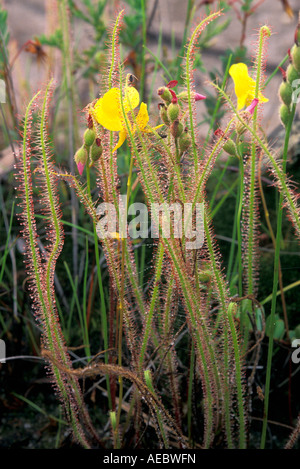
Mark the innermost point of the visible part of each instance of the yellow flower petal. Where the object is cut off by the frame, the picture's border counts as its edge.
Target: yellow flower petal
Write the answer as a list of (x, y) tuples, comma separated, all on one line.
[(262, 98), (122, 137), (107, 110), (131, 98), (244, 85), (114, 235), (142, 118), (242, 82), (148, 130)]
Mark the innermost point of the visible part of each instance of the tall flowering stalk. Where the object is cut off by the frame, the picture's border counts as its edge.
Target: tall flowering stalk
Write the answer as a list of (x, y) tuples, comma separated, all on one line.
[(288, 199), (42, 273)]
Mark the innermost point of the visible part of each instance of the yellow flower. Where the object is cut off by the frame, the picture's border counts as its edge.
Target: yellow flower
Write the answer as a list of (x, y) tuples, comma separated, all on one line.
[(115, 235), (108, 112), (244, 86)]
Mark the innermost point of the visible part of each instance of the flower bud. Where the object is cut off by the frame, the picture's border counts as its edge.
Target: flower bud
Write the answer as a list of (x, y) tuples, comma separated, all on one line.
[(230, 147), (96, 151), (252, 106), (165, 94), (295, 55), (199, 97), (90, 121), (285, 92), (284, 114), (163, 113), (183, 96), (89, 137), (184, 141), (240, 128), (173, 111), (292, 74), (176, 128), (81, 157)]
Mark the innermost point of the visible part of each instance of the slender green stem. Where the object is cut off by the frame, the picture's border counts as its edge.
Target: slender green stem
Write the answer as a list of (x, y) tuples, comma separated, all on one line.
[(276, 70), (100, 284), (6, 249), (238, 377), (281, 176), (239, 228), (251, 199), (43, 279), (148, 379), (275, 284), (188, 18), (189, 81), (158, 273), (217, 106), (144, 36), (122, 303), (69, 85), (190, 393)]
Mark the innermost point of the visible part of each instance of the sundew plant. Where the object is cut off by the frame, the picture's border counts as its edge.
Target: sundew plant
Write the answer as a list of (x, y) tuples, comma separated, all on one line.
[(178, 345)]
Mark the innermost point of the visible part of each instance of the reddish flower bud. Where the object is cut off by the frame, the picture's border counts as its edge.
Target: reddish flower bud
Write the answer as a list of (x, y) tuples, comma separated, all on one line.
[(80, 167), (252, 106), (183, 96), (219, 132), (81, 157), (199, 97)]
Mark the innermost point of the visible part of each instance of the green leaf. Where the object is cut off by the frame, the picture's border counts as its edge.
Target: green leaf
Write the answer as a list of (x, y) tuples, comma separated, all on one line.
[(54, 40), (278, 327), (4, 34)]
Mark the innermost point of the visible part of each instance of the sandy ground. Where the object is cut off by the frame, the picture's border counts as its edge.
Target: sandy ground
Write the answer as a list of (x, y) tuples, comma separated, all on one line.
[(27, 18)]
